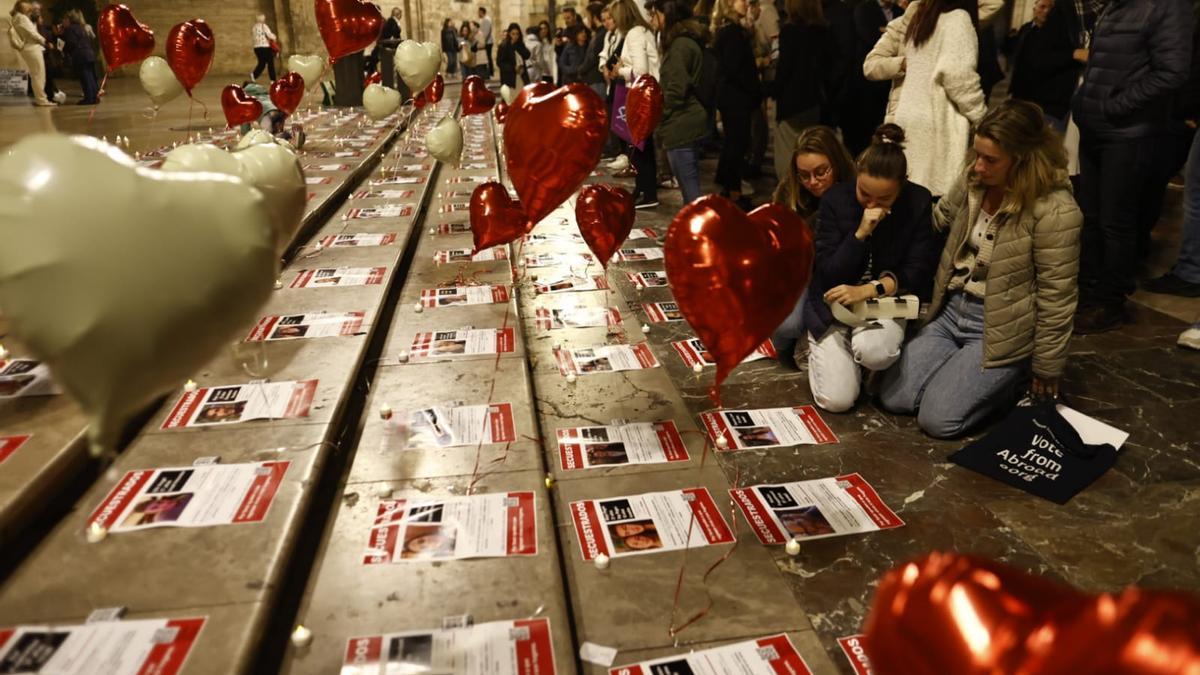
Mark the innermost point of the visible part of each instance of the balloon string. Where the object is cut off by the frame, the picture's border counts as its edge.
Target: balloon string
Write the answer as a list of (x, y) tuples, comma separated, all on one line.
[(99, 94)]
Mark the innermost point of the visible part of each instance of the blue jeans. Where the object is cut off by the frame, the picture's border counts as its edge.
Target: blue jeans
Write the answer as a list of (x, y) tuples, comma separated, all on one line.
[(940, 374), (1187, 266), (685, 164), (792, 327)]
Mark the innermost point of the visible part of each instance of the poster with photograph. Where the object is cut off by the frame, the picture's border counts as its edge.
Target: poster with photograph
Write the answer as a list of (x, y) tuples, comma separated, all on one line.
[(649, 523), (453, 296), (326, 167), (451, 426), (337, 154), (452, 228), (576, 317), (26, 377), (463, 342), (644, 280), (454, 207), (10, 444), (318, 180), (605, 359), (555, 238), (230, 404), (455, 194), (494, 525), (662, 312), (522, 647), (476, 166), (138, 647), (410, 168), (642, 233), (619, 445), (399, 180), (629, 255), (463, 255), (357, 240), (468, 179), (694, 352), (190, 496), (768, 427), (774, 655), (572, 284), (383, 194), (297, 326), (385, 211), (327, 277), (814, 509), (856, 654), (537, 260)]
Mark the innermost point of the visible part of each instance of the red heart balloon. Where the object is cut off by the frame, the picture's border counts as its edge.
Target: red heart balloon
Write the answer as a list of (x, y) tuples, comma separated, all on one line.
[(373, 78), (475, 96), (436, 89), (347, 26), (287, 91), (605, 216), (952, 613), (190, 47), (643, 107), (238, 106), (553, 141), (123, 38), (495, 218), (501, 111), (419, 101), (736, 276)]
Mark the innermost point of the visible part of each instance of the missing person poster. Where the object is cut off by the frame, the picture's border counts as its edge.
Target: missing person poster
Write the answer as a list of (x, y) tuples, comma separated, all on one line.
[(339, 276), (814, 509), (357, 240), (457, 425), (572, 284), (158, 646), (318, 180), (242, 403), (297, 326), (538, 260), (494, 525), (326, 167), (694, 352), (605, 359), (768, 427), (190, 496), (620, 444), (628, 255), (462, 342), (774, 655), (463, 295), (10, 444), (576, 317), (642, 233), (385, 211), (383, 194), (25, 377), (662, 312), (469, 179), (554, 238), (454, 207), (644, 280), (399, 180), (463, 255), (856, 654), (649, 523), (522, 647), (452, 228)]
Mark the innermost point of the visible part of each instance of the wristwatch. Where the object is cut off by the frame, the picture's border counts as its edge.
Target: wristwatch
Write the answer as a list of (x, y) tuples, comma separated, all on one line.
[(880, 291)]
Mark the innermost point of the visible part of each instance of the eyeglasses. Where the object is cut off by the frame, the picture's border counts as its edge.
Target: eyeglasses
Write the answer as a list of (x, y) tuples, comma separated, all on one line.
[(821, 173)]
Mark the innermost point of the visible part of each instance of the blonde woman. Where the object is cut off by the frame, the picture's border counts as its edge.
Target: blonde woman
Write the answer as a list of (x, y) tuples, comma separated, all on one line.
[(739, 92), (24, 37), (1006, 290), (637, 56), (262, 36)]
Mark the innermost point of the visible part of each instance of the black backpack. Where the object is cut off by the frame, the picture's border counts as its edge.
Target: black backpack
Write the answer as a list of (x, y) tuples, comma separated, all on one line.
[(705, 88)]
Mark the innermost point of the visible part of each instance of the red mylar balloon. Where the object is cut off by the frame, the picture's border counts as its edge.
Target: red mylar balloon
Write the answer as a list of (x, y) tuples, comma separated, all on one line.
[(238, 106), (287, 91), (605, 216), (553, 141), (190, 47), (475, 96), (123, 38), (436, 89), (419, 100), (736, 276), (952, 613), (501, 111), (495, 218), (373, 78), (347, 26), (643, 107)]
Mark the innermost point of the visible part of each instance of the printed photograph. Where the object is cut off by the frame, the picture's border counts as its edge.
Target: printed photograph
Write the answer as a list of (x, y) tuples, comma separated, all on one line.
[(157, 509), (410, 654), (427, 541), (284, 332), (634, 536), (221, 413), (756, 436), (805, 522), (679, 667), (602, 454)]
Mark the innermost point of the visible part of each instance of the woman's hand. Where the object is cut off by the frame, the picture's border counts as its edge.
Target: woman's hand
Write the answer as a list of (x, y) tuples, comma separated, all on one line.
[(848, 295), (870, 218), (1044, 387)]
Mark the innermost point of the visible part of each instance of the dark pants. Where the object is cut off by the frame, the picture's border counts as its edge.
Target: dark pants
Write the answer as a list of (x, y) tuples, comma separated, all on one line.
[(491, 66), (387, 66), (736, 122), (266, 59), (87, 79), (1112, 184), (646, 183), (1171, 153)]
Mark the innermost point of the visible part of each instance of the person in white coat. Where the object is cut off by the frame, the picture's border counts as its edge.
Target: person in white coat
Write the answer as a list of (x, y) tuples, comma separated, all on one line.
[(24, 37), (638, 56), (262, 36)]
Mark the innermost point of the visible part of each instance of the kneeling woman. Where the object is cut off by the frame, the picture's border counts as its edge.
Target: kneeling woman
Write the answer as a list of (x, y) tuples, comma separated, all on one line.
[(874, 238), (1005, 290)]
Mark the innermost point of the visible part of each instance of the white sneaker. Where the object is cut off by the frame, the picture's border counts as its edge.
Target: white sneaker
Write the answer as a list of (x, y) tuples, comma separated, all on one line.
[(60, 97), (619, 164), (1190, 338), (747, 189)]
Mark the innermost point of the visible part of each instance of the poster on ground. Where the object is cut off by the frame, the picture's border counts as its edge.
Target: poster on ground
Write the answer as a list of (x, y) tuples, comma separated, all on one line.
[(572, 284), (522, 647), (26, 377), (358, 240), (620, 444), (649, 523), (693, 352), (456, 425), (644, 280), (814, 509), (158, 646), (462, 342), (10, 444), (628, 255), (773, 655), (605, 359), (383, 194), (229, 404), (538, 260), (768, 427), (662, 312), (339, 276), (856, 654), (385, 211), (577, 316), (494, 525), (297, 326), (463, 255), (451, 296)]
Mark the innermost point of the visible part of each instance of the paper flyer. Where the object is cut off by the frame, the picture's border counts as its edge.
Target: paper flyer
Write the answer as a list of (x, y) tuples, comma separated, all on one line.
[(386, 211), (410, 168), (399, 180), (538, 260), (463, 255), (649, 523), (326, 167), (452, 228), (383, 194), (337, 154), (296, 326), (10, 444), (572, 284), (856, 654), (662, 312), (618, 445), (522, 647), (477, 166), (357, 240), (694, 352), (638, 254), (605, 359), (318, 180), (141, 647), (458, 425), (455, 194), (494, 525), (643, 280), (768, 427), (554, 238), (26, 377), (463, 295), (576, 317), (642, 233), (190, 496), (339, 276), (462, 342), (242, 403), (454, 207), (814, 509), (468, 179), (774, 655)]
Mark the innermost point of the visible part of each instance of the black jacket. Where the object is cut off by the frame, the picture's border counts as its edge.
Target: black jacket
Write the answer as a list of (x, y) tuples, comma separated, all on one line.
[(449, 41), (840, 18), (804, 74), (506, 60), (738, 87), (903, 244), (589, 71), (389, 37), (1044, 68), (79, 46), (1140, 57)]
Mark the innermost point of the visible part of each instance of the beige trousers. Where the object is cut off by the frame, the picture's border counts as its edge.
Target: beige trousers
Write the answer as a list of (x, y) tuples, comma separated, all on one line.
[(35, 63)]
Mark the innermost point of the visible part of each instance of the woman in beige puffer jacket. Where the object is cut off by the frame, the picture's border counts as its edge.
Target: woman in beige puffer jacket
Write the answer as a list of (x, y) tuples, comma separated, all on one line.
[(1006, 288)]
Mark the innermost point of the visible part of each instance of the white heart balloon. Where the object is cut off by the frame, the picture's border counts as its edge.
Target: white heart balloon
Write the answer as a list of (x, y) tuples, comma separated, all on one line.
[(445, 141), (417, 63), (168, 269), (508, 94), (254, 137), (309, 66), (160, 83), (201, 157), (380, 101)]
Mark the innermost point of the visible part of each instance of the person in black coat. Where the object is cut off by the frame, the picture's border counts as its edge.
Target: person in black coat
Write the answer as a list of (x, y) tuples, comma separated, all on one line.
[(1044, 67), (874, 238), (871, 17), (450, 46), (83, 56), (804, 76), (738, 93), (511, 47), (389, 40), (840, 19)]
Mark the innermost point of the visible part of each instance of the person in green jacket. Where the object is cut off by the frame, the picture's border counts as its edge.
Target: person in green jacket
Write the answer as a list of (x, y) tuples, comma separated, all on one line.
[(684, 122)]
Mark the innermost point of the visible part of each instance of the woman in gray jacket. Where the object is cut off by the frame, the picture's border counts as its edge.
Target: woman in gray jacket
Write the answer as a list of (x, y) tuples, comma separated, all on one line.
[(1006, 288)]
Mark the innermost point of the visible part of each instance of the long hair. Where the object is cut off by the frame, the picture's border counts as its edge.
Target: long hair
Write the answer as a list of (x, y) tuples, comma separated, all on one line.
[(626, 15), (677, 20), (805, 12), (723, 14), (815, 140), (884, 157), (1039, 160), (921, 28)]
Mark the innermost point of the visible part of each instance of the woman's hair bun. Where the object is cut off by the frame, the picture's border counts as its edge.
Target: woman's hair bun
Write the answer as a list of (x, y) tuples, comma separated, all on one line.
[(888, 133)]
